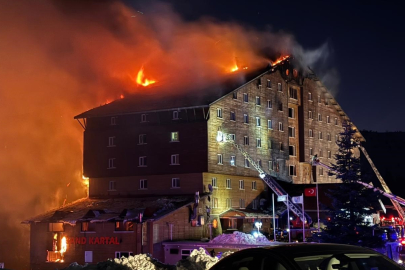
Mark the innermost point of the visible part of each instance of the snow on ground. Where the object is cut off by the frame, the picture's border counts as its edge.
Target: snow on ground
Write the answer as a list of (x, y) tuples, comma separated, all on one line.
[(198, 260)]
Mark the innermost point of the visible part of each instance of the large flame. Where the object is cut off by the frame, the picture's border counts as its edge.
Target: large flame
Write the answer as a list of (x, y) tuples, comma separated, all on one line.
[(63, 247), (279, 60), (140, 78)]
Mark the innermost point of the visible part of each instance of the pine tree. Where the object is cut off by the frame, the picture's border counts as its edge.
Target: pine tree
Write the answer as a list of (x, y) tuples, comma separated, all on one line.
[(351, 202)]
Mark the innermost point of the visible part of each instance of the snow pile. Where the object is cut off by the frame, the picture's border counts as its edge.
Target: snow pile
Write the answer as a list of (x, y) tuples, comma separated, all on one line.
[(198, 260), (241, 238)]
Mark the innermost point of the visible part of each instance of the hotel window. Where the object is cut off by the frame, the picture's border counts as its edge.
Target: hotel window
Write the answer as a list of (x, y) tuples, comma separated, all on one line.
[(291, 132), (259, 163), (126, 254), (245, 118), (309, 96), (270, 143), (111, 141), (235, 95), (280, 126), (87, 226), (228, 202), (241, 184), (269, 124), (142, 161), (111, 163), (320, 135), (56, 227), (258, 102), (258, 122), (320, 153), (291, 113), (245, 140), (247, 164), (233, 116), (228, 183), (310, 133), (254, 204), (270, 165), (319, 99), (328, 119), (259, 143), (174, 136), (279, 87), (232, 137), (320, 171), (254, 187), (215, 203), (336, 121), (311, 152), (219, 113), (143, 184), (113, 121), (291, 150), (319, 117), (310, 115), (242, 203), (142, 139), (111, 185), (269, 104), (220, 159), (292, 170), (329, 137), (293, 93), (329, 154), (281, 146), (121, 226), (175, 115), (175, 182), (280, 106), (268, 84), (175, 159), (245, 97), (144, 117), (233, 161), (214, 182)]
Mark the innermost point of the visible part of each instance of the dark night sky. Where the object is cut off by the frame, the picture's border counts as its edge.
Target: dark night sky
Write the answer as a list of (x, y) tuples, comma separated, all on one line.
[(366, 40)]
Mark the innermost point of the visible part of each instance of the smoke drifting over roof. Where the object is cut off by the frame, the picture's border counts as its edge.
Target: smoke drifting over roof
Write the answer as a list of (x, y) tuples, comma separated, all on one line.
[(60, 58)]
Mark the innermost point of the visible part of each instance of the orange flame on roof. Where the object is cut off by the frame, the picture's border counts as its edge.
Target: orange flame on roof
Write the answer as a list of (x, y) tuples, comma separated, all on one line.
[(279, 60), (140, 79)]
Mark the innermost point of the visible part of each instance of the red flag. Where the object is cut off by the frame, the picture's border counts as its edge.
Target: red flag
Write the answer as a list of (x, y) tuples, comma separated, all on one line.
[(310, 192)]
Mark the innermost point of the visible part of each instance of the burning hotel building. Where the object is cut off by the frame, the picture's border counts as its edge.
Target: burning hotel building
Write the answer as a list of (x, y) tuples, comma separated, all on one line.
[(157, 172)]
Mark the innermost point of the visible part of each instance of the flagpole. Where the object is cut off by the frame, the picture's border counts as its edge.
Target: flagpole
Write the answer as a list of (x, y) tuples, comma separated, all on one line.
[(303, 219), (288, 219), (317, 205), (274, 219)]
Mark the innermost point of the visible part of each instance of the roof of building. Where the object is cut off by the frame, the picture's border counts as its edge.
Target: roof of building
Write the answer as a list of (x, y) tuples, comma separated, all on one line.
[(245, 213), (114, 209)]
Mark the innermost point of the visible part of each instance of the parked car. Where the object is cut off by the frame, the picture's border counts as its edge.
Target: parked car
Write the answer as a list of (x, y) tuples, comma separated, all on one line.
[(307, 256)]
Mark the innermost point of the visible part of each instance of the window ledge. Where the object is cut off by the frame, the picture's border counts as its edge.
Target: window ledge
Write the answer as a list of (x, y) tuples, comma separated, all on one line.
[(123, 231), (111, 145), (174, 164), (142, 166), (175, 188), (111, 168), (173, 141)]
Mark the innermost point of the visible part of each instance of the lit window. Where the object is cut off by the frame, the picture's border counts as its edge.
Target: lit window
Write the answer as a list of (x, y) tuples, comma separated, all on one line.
[(241, 184), (309, 96), (220, 159), (310, 133), (142, 161), (293, 93), (258, 142), (291, 132), (319, 117), (292, 170), (291, 150), (269, 104), (279, 87), (258, 102), (56, 227), (174, 136), (175, 159), (142, 138), (268, 84), (228, 183), (291, 113), (280, 126), (269, 124), (175, 115), (247, 164), (246, 140), (232, 116), (111, 163), (245, 118), (254, 187), (143, 184), (320, 135), (270, 165), (111, 141), (233, 161), (111, 185), (175, 182), (245, 97), (258, 122), (214, 182), (113, 121), (242, 203), (144, 117), (310, 115), (219, 113)]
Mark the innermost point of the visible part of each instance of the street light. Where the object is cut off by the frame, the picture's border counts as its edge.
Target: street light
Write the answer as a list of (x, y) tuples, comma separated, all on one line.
[(258, 225)]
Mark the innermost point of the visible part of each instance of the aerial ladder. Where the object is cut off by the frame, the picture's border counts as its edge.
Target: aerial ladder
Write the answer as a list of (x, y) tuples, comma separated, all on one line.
[(395, 200), (268, 179)]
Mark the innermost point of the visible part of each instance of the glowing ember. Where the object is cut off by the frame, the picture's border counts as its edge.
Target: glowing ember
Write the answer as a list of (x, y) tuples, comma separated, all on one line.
[(235, 68), (140, 79), (281, 59), (85, 180), (122, 96)]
